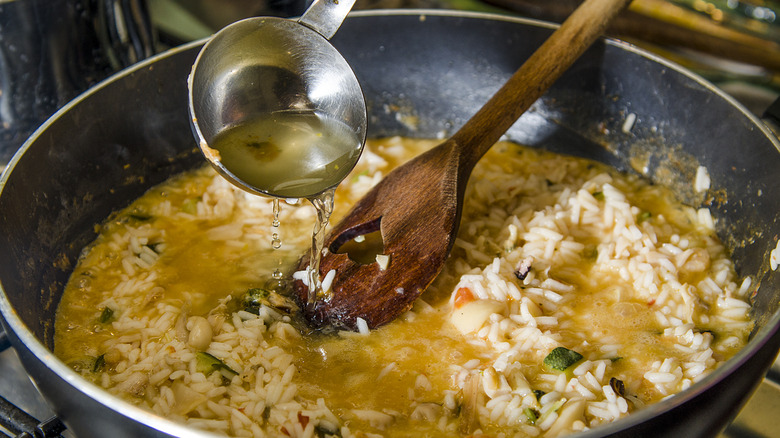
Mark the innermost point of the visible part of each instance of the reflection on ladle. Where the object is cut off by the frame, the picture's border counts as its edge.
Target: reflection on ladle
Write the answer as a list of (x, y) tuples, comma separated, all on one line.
[(274, 106)]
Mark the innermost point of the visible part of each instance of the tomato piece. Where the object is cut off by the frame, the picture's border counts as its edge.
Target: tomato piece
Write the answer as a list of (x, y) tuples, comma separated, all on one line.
[(463, 296)]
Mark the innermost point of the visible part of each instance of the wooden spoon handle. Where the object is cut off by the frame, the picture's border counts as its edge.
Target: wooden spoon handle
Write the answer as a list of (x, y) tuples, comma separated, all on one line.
[(534, 77)]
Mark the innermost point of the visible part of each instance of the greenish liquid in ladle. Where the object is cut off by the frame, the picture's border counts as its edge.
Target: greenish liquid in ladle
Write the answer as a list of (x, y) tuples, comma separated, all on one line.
[(292, 155), (289, 154)]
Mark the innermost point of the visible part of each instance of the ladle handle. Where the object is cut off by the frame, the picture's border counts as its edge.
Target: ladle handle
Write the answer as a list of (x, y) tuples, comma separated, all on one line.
[(326, 16), (534, 77)]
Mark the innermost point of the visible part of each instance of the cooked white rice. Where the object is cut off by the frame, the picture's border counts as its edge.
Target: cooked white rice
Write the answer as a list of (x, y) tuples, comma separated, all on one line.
[(553, 252)]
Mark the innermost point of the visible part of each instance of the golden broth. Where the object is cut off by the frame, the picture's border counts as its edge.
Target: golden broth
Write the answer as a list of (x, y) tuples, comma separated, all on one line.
[(189, 250)]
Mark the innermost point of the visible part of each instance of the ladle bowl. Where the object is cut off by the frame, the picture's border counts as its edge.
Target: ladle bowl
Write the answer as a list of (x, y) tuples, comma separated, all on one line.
[(282, 74)]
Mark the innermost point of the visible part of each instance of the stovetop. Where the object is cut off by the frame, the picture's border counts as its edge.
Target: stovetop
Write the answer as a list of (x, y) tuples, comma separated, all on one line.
[(23, 412)]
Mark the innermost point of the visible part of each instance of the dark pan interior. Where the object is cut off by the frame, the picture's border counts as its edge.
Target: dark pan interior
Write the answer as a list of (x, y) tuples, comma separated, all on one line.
[(423, 76), (437, 79)]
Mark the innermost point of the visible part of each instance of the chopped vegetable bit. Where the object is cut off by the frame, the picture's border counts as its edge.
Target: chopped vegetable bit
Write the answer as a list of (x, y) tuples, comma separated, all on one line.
[(322, 429), (591, 252), (303, 419), (599, 196), (356, 178), (554, 408), (523, 268), (257, 297), (532, 415), (263, 151), (539, 393), (615, 359), (643, 216), (83, 364), (463, 296), (100, 363), (207, 364), (139, 217), (562, 358), (190, 206), (106, 315), (618, 386)]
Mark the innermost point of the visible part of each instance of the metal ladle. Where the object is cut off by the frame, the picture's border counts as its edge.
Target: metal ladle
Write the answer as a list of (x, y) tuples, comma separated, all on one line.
[(275, 107)]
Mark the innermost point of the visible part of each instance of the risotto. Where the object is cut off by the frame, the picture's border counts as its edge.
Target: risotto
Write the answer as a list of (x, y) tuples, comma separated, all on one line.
[(574, 296)]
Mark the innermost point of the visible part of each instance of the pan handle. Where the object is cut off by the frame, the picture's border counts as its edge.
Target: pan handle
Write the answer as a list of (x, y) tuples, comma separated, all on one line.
[(17, 420), (5, 343)]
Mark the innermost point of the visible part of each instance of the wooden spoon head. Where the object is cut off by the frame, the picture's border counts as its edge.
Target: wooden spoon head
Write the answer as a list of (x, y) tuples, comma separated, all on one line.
[(417, 208), (419, 204)]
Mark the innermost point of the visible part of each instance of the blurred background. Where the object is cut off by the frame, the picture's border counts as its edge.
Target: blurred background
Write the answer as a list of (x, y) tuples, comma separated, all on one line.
[(733, 43), (52, 50)]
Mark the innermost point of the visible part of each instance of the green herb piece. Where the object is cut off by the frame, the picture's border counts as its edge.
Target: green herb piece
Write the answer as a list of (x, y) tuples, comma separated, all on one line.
[(615, 359), (599, 196), (207, 364), (257, 297), (643, 216), (357, 176), (531, 414), (554, 408), (106, 315), (139, 217), (264, 151), (100, 363), (82, 364), (561, 358), (538, 393), (591, 252), (190, 206), (321, 430), (254, 298)]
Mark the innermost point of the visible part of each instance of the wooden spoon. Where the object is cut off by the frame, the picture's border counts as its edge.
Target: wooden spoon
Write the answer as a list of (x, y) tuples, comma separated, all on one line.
[(418, 206)]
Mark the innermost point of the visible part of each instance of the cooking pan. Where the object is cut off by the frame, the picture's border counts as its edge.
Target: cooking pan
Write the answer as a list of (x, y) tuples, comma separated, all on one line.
[(423, 73)]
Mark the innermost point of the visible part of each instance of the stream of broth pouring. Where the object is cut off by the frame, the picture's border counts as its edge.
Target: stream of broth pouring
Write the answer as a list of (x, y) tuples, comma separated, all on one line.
[(292, 152), (323, 204), (277, 278)]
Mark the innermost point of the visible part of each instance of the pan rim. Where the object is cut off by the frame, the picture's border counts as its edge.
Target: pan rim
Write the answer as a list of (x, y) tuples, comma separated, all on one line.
[(19, 330)]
